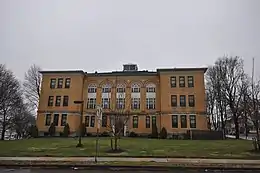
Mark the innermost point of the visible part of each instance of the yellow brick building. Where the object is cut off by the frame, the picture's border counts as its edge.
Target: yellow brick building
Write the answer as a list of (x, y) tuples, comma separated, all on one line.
[(171, 98)]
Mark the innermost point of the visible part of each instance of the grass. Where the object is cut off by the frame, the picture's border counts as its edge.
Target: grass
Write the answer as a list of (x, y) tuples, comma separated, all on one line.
[(136, 147)]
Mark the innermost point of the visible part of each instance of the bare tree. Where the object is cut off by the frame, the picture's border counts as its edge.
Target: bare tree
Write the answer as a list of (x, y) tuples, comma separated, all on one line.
[(10, 95), (32, 85)]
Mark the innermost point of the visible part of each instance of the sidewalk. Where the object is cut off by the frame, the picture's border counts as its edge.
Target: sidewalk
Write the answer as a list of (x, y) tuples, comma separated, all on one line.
[(129, 162)]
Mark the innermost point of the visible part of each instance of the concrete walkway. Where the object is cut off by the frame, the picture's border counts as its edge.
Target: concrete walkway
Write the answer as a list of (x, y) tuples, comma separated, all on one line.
[(88, 161)]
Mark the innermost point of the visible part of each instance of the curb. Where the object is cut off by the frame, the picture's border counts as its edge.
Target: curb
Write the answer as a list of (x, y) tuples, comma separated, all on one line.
[(126, 166)]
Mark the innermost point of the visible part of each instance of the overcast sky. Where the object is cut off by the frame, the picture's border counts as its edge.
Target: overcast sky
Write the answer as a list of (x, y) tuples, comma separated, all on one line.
[(104, 34)]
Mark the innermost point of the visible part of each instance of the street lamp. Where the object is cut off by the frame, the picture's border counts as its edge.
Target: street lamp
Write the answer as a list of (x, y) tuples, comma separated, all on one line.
[(99, 120), (81, 117)]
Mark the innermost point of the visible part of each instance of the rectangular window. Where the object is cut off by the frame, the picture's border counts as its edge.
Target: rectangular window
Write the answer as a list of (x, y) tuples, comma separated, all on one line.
[(92, 123), (50, 100), (65, 100), (153, 120), (106, 90), (60, 83), (53, 83), (147, 122), (150, 103), (63, 119), (92, 89), (120, 90), (120, 103), (192, 121), (173, 81), (48, 120), (87, 121), (191, 100), (135, 90), (58, 100), (174, 121), (135, 121), (150, 90), (104, 121), (182, 81), (56, 119), (91, 103), (190, 81), (106, 103), (67, 83), (182, 100), (183, 121), (135, 103), (174, 100)]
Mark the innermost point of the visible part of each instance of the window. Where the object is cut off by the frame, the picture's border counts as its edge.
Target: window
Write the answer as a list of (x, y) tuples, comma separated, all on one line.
[(174, 100), (91, 103), (182, 81), (182, 100), (106, 103), (174, 121), (58, 100), (106, 89), (190, 81), (191, 101), (92, 88), (120, 103), (150, 89), (135, 103), (150, 103), (192, 121), (120, 90), (92, 122), (173, 81), (65, 100), (135, 88), (153, 120), (48, 120), (63, 119), (67, 83), (147, 122), (135, 121), (56, 119), (87, 121), (183, 121), (60, 83), (53, 83), (50, 101), (104, 121)]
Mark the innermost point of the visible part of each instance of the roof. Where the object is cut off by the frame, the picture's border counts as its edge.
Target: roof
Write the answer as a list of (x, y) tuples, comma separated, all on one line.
[(181, 69), (62, 72), (124, 73)]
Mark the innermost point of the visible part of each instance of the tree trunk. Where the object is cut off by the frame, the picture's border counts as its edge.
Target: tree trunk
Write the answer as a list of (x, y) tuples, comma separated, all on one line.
[(116, 144), (111, 144), (236, 127), (3, 132)]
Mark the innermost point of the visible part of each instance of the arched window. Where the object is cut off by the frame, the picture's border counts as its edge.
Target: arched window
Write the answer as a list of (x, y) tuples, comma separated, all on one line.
[(92, 88), (150, 88), (135, 88), (106, 88), (120, 88)]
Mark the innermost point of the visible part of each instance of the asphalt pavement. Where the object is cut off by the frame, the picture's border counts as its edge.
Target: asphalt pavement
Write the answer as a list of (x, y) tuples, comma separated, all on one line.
[(3, 170)]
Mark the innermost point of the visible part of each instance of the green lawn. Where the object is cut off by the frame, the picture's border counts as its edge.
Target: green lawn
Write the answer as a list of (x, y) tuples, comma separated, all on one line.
[(133, 146)]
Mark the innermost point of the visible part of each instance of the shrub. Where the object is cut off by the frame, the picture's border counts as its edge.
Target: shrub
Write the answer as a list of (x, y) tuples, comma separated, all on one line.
[(66, 130), (33, 131), (133, 134), (105, 134), (154, 131), (163, 133), (52, 129)]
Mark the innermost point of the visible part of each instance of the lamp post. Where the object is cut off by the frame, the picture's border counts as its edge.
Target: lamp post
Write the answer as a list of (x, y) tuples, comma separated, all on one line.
[(99, 120), (81, 117)]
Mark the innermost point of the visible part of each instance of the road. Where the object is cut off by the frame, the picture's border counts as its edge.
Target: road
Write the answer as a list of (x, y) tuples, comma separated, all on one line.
[(113, 171)]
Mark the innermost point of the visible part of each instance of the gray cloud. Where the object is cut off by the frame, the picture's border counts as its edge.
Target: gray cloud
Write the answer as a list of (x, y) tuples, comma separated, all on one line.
[(102, 35)]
